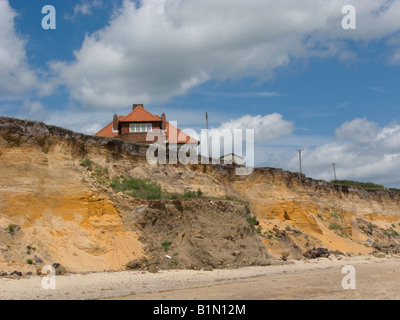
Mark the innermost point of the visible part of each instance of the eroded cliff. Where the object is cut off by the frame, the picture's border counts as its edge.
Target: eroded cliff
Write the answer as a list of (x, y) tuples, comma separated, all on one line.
[(54, 209)]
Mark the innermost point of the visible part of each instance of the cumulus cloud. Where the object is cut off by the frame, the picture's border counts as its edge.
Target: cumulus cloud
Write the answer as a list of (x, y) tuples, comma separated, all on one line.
[(358, 130), (85, 8), (265, 128), (163, 48), (362, 151), (234, 136), (16, 75)]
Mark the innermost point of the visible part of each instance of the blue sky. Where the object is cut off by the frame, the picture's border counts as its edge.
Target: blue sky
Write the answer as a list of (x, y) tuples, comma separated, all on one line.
[(286, 69)]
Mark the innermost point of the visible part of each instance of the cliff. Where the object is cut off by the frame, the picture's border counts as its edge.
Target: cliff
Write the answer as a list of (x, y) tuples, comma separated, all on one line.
[(54, 209)]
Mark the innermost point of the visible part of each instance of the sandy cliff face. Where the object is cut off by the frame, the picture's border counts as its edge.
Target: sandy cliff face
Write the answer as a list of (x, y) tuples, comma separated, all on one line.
[(314, 213), (57, 215), (51, 208)]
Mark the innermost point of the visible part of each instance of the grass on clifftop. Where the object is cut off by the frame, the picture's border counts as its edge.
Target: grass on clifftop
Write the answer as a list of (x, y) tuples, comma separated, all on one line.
[(363, 185)]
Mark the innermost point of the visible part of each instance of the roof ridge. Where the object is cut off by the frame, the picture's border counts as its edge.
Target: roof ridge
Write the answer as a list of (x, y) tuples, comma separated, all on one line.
[(143, 109)]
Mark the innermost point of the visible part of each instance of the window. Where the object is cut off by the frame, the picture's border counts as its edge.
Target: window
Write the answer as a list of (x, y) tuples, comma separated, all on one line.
[(140, 127)]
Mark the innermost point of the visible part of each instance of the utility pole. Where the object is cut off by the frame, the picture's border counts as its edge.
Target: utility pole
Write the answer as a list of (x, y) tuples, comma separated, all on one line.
[(208, 140), (334, 170), (300, 150)]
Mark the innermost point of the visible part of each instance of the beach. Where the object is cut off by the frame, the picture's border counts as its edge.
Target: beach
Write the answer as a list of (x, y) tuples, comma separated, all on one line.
[(376, 278)]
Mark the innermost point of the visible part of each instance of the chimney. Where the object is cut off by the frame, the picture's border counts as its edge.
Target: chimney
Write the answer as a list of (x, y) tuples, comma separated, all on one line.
[(163, 122), (137, 105), (115, 123)]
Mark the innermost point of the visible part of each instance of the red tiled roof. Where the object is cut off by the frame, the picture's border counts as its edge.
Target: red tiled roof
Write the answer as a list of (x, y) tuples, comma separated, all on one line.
[(107, 131), (180, 137), (140, 114)]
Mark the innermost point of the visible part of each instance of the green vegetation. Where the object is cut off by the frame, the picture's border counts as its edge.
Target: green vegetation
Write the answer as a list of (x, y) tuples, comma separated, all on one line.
[(335, 226), (175, 262), (137, 188), (363, 185), (193, 194), (87, 163), (141, 188), (29, 249), (29, 261), (288, 228), (259, 230), (166, 245), (371, 227), (252, 221), (11, 228), (334, 215)]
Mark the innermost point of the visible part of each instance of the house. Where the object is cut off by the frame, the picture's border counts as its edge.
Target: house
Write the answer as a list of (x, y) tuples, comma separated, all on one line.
[(232, 158), (139, 122)]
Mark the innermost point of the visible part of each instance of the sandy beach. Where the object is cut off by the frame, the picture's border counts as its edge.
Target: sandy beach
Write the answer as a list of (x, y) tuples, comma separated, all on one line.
[(376, 278)]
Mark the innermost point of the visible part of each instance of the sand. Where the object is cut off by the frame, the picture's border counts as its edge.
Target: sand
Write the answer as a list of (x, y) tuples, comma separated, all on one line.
[(376, 278)]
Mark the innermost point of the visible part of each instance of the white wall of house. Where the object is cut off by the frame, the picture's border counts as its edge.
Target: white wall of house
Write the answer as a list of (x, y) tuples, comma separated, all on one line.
[(232, 159)]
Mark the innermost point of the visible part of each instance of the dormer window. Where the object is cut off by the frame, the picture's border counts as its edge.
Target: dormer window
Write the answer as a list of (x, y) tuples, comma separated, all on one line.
[(140, 127)]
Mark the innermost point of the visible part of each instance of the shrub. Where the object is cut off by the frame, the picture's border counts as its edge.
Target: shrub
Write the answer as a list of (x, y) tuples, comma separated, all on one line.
[(364, 185), (334, 215), (11, 228), (87, 163), (137, 188), (165, 245), (288, 228), (335, 226), (29, 261), (259, 230), (189, 194), (252, 221)]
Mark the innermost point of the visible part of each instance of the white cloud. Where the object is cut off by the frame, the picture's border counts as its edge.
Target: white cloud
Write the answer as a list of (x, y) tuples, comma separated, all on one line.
[(16, 75), (163, 48), (363, 151), (358, 130), (33, 110), (266, 127), (85, 8)]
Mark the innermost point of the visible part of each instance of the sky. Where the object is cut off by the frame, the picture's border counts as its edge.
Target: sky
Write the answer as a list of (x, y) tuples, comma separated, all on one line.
[(287, 69)]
